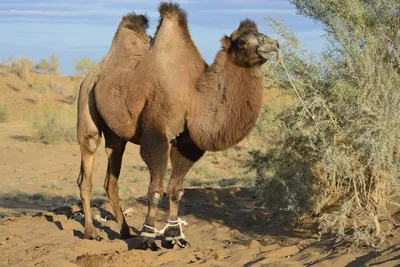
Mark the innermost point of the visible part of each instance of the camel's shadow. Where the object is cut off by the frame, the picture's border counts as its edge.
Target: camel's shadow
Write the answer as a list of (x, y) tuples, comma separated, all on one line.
[(236, 208), (69, 213)]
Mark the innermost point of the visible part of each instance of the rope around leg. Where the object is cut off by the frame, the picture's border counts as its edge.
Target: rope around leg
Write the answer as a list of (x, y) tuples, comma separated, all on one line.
[(149, 234), (179, 223), (170, 223)]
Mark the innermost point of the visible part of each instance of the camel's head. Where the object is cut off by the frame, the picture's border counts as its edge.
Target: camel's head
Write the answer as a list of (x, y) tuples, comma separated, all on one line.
[(248, 47)]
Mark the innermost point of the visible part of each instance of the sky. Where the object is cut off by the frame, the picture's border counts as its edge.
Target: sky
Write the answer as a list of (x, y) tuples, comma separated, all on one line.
[(74, 29)]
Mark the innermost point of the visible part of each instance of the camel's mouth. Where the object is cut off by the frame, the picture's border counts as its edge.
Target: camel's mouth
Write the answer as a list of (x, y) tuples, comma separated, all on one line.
[(267, 51)]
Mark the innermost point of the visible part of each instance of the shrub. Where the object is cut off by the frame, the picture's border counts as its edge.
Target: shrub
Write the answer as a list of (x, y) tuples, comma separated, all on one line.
[(205, 169), (339, 143), (39, 87), (54, 126), (49, 67), (22, 67), (84, 66), (4, 112)]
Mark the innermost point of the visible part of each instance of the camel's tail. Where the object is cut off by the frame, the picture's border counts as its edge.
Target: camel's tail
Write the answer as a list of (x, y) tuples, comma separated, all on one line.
[(138, 23), (171, 10)]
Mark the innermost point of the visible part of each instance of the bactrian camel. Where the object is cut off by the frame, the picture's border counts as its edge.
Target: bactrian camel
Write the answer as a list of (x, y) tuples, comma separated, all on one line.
[(161, 95)]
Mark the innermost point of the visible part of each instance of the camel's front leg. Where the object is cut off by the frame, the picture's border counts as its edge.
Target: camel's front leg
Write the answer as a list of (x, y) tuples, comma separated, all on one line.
[(183, 155), (154, 148)]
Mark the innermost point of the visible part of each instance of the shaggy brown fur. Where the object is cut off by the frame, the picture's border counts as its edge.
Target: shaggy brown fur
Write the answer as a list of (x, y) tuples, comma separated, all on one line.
[(226, 105), (173, 11), (150, 96), (248, 25), (135, 22)]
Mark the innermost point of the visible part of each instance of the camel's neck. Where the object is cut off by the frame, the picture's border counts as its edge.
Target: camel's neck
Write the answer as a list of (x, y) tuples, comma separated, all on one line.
[(226, 104)]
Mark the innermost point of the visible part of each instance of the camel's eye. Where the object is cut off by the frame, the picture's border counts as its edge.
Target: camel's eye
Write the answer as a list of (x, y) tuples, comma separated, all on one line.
[(242, 43)]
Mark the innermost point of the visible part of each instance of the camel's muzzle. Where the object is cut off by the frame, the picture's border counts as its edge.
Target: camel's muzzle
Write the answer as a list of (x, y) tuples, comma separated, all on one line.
[(268, 47), (267, 51)]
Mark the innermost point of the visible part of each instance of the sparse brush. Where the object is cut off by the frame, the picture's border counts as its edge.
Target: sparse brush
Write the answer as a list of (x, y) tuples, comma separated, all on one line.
[(22, 67), (57, 88), (49, 67), (4, 112), (39, 87), (205, 169), (339, 143), (84, 66), (55, 126)]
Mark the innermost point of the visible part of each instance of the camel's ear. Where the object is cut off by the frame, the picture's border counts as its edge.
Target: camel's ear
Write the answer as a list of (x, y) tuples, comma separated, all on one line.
[(226, 42)]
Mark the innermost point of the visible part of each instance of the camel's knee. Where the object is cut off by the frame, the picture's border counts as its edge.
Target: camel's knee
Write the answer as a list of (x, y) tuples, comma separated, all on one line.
[(154, 199), (176, 195), (108, 152), (90, 143)]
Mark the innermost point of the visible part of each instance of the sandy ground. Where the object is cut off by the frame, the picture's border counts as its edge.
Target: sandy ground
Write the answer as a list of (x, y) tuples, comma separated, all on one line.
[(226, 227)]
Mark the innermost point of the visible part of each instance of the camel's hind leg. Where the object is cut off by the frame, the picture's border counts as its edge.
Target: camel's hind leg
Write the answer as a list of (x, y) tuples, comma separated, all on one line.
[(183, 155), (154, 147), (89, 138), (115, 147)]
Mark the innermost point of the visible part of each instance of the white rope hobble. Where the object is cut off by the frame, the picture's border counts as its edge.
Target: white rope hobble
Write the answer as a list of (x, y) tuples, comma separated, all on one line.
[(149, 234), (79, 216), (179, 223), (170, 223)]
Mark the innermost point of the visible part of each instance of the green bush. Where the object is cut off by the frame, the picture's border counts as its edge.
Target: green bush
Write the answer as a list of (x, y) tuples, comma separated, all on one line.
[(49, 67), (84, 66), (22, 67), (338, 145), (54, 126)]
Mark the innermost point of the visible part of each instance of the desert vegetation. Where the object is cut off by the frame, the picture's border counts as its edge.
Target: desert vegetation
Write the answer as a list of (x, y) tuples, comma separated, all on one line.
[(335, 151), (50, 97), (54, 126), (84, 66), (22, 67), (50, 67)]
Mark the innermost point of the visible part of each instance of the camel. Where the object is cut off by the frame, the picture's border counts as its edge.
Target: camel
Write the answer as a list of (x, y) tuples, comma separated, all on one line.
[(160, 94)]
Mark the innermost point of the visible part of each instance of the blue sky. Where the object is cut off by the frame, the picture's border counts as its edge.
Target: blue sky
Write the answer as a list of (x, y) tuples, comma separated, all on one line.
[(73, 29)]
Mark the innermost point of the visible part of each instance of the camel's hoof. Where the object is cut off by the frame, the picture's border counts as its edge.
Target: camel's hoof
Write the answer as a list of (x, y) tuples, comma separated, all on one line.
[(148, 243), (174, 238), (176, 244), (91, 235)]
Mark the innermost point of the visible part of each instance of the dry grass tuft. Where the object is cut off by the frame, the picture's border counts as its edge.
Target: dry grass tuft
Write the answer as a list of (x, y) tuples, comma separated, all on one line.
[(22, 67), (54, 126)]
